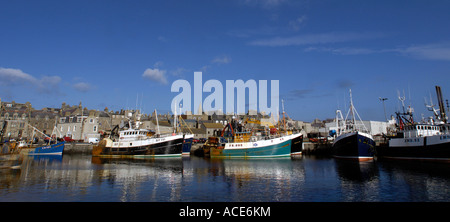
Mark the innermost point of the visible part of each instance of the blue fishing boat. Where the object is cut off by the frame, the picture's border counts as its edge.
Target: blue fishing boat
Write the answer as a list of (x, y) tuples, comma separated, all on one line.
[(187, 144), (53, 149), (354, 146), (353, 141)]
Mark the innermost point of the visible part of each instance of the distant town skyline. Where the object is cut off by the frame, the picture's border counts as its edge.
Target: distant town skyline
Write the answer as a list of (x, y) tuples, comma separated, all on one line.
[(125, 54)]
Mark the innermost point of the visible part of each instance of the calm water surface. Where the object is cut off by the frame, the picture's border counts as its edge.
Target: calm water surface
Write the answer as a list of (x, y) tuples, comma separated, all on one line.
[(83, 178)]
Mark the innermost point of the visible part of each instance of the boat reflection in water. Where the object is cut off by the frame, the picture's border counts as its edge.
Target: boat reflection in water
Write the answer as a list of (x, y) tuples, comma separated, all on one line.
[(359, 180), (47, 158), (84, 178), (198, 179), (142, 179), (243, 179)]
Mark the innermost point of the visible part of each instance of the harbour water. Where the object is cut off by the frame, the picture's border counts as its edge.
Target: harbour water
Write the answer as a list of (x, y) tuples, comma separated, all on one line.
[(82, 178)]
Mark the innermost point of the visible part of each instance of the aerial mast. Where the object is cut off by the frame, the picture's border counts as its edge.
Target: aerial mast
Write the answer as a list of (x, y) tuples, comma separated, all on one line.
[(441, 104)]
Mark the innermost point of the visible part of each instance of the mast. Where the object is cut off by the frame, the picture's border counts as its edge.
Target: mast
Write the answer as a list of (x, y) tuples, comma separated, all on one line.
[(340, 123), (175, 130), (352, 108), (352, 111), (441, 104), (35, 129), (157, 123)]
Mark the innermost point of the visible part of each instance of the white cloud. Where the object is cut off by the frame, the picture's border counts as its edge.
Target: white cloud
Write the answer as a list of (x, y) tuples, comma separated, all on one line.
[(82, 86), (155, 75), (312, 39), (438, 51), (46, 84), (222, 59), (52, 80), (345, 50), (9, 75)]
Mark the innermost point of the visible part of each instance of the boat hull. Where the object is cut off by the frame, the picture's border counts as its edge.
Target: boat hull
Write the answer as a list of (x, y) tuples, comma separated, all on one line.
[(279, 147), (354, 146), (169, 148), (297, 144), (53, 149), (430, 148), (187, 145)]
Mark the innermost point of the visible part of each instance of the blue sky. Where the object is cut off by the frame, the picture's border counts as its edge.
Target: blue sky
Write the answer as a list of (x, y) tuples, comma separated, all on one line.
[(105, 53)]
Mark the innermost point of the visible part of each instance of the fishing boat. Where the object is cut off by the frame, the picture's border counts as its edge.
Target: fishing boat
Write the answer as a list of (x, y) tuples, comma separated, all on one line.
[(255, 144), (296, 144), (187, 144), (54, 145), (276, 146), (50, 149), (353, 141), (251, 145), (139, 143), (296, 138), (188, 138), (426, 141)]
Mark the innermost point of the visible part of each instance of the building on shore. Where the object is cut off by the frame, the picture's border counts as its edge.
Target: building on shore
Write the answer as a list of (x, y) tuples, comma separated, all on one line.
[(212, 129), (14, 119), (78, 127)]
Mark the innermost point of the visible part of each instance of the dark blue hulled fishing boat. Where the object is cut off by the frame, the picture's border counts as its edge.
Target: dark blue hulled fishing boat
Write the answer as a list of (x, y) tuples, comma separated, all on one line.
[(353, 140), (187, 144)]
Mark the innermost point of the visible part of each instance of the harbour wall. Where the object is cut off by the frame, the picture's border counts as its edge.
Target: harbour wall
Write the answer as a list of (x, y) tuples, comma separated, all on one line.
[(310, 148), (72, 148)]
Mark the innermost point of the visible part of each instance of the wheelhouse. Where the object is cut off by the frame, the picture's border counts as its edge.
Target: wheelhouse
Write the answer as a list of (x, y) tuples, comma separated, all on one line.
[(420, 130), (132, 134)]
